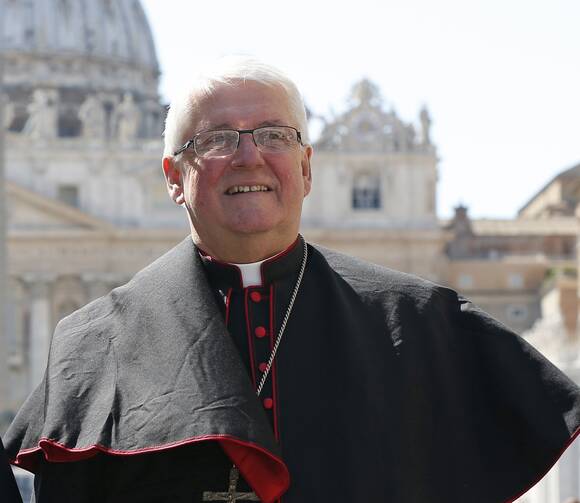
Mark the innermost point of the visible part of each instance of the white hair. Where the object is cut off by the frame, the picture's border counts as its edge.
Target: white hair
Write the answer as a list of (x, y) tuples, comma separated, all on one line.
[(227, 70)]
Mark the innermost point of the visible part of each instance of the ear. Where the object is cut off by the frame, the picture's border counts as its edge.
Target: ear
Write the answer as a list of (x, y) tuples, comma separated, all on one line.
[(306, 169), (174, 180)]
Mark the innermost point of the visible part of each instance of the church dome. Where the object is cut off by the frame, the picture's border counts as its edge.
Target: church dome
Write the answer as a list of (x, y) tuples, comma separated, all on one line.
[(104, 45)]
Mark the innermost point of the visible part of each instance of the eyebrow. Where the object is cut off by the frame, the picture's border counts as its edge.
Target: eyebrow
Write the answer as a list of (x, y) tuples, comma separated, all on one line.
[(227, 125)]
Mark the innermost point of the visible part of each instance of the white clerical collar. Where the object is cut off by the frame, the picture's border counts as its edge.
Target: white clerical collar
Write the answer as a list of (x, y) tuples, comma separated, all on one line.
[(254, 274), (251, 273)]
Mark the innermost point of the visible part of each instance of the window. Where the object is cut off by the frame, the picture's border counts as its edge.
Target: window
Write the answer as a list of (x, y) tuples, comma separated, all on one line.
[(516, 312), (465, 281), (69, 194), (515, 281), (69, 126), (366, 192)]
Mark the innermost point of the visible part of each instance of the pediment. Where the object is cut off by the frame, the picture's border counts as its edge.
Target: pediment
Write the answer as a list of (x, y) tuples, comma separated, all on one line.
[(366, 127), (30, 211)]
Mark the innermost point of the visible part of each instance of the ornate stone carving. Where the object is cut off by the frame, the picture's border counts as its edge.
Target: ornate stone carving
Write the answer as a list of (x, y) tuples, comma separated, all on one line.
[(366, 94), (128, 118), (425, 126), (367, 127), (153, 123), (42, 115), (9, 112), (410, 136), (93, 117)]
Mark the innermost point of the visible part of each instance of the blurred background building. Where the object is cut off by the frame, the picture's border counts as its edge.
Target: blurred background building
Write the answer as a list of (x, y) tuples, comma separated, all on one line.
[(87, 206)]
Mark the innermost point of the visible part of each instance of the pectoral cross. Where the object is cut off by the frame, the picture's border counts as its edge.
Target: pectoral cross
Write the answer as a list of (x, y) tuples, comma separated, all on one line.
[(232, 495)]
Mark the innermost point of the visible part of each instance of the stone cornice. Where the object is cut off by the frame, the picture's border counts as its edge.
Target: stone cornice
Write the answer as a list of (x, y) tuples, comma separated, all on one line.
[(19, 146)]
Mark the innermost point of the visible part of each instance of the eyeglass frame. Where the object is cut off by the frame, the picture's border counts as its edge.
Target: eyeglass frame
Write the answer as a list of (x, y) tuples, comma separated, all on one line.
[(240, 132)]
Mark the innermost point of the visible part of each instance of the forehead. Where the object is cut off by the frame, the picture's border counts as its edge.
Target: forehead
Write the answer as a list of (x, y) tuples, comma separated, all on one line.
[(244, 105)]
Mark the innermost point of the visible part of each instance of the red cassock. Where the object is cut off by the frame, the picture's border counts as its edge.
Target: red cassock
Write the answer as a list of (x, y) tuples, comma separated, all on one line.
[(385, 388)]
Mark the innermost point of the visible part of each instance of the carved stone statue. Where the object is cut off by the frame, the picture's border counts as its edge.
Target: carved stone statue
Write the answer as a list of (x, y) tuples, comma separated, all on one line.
[(365, 93), (399, 134), (9, 112), (128, 118), (42, 120), (151, 119), (93, 117), (410, 134), (425, 125)]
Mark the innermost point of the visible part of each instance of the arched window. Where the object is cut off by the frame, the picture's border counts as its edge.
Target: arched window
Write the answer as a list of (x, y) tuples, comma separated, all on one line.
[(366, 191)]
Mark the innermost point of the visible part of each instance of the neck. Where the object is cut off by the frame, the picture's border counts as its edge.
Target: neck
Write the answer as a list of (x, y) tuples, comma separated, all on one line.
[(243, 250)]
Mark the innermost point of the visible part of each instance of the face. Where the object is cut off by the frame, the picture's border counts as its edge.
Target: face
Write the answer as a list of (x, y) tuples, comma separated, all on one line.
[(209, 187)]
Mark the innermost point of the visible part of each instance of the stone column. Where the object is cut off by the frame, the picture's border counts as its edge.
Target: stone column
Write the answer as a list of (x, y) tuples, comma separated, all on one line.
[(40, 327), (576, 339), (4, 378), (17, 348)]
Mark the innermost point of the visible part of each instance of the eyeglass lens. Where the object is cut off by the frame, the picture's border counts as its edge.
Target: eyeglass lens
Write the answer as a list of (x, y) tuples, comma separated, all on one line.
[(269, 139)]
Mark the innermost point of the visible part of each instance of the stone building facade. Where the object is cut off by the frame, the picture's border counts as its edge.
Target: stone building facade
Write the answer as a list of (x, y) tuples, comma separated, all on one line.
[(83, 121), (87, 206), (374, 187)]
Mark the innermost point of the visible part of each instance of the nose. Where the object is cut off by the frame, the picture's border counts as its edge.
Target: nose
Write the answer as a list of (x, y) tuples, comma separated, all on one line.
[(247, 155)]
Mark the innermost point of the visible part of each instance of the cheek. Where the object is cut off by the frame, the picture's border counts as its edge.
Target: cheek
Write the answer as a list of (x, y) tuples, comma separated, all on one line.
[(194, 191), (197, 184), (290, 174), (298, 181)]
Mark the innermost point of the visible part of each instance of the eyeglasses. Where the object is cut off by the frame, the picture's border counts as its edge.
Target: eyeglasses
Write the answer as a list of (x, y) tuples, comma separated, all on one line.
[(224, 142)]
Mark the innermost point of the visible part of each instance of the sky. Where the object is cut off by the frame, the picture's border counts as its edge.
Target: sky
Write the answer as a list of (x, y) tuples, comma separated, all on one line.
[(501, 78)]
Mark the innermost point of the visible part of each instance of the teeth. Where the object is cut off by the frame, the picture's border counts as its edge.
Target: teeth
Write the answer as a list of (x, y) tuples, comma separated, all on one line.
[(247, 188)]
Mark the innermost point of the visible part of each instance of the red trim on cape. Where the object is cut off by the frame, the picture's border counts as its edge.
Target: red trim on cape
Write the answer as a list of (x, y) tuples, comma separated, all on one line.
[(250, 336), (228, 300), (550, 466), (269, 481), (276, 409), (273, 375), (267, 474)]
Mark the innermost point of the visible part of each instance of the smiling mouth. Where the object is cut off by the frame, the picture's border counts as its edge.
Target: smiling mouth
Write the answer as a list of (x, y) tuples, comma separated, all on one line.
[(240, 189)]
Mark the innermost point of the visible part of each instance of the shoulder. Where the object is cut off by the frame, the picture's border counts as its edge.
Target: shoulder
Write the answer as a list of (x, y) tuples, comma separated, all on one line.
[(381, 283), (166, 277)]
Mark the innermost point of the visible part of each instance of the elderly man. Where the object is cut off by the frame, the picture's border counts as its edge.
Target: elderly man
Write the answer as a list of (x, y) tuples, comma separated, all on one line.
[(8, 488), (248, 365)]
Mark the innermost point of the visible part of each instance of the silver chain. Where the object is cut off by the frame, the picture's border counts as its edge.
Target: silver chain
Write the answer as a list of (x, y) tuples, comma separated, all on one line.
[(284, 321)]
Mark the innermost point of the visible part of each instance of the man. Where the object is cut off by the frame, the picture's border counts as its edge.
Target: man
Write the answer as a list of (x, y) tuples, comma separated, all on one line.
[(248, 365), (8, 488)]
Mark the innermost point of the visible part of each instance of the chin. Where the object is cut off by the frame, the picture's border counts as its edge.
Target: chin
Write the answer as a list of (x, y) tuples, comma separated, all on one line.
[(252, 228), (254, 222)]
